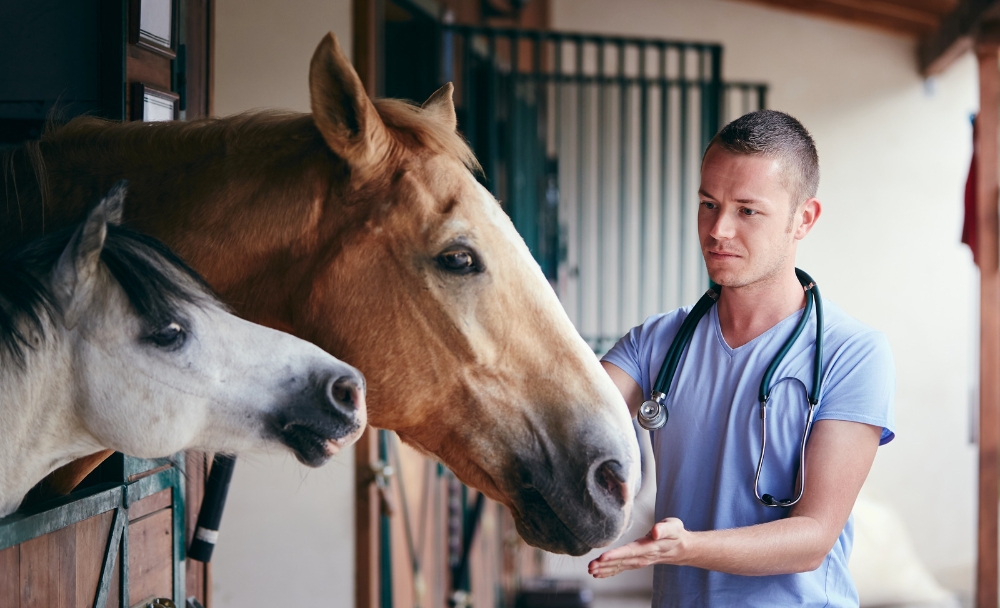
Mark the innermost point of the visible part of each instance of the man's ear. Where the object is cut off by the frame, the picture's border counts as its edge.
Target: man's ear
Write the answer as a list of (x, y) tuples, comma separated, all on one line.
[(807, 217), (75, 274)]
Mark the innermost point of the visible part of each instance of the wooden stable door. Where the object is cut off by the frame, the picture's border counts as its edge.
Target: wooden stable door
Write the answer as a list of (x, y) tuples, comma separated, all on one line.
[(119, 538)]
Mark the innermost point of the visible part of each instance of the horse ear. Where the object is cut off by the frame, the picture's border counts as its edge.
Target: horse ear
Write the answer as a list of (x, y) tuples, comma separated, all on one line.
[(114, 202), (441, 105), (75, 273), (344, 115)]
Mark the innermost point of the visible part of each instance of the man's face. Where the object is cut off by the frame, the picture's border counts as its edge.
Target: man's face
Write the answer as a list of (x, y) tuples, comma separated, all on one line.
[(743, 219)]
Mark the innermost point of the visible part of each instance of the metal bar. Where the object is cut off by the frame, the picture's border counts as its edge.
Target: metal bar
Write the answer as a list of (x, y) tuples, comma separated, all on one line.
[(491, 112), (469, 128), (608, 80), (683, 177), (148, 486), (643, 177), (385, 539), (20, 527), (514, 201), (762, 97), (664, 175), (715, 97), (582, 140), (568, 36), (178, 512), (601, 146), (623, 216), (124, 566), (118, 525)]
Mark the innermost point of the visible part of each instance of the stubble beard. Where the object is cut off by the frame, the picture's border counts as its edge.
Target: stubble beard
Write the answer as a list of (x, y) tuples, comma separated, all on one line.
[(750, 276)]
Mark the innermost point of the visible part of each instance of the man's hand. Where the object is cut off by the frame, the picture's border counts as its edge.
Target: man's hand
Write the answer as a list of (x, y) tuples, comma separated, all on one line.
[(663, 545)]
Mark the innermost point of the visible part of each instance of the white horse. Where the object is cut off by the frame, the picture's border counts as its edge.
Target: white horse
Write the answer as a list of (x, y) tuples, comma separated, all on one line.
[(109, 341)]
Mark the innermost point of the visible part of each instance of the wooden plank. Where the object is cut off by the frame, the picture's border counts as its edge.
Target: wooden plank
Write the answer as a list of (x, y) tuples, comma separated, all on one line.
[(366, 522), (150, 556), (195, 474), (196, 15), (892, 16), (155, 502), (987, 227), (48, 570), (953, 36), (91, 540), (10, 577), (366, 43)]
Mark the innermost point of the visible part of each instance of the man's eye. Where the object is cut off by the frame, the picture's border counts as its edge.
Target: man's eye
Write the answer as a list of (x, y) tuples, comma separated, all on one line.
[(168, 336), (708, 204), (746, 211)]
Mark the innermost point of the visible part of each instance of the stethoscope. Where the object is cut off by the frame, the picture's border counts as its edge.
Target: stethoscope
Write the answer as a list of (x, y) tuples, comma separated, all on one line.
[(653, 413)]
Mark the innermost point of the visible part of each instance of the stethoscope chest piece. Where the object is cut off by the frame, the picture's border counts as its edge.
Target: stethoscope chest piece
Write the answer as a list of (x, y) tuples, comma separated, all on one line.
[(653, 413)]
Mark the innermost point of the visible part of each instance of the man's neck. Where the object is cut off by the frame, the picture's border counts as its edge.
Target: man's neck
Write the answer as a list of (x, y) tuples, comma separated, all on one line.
[(747, 312)]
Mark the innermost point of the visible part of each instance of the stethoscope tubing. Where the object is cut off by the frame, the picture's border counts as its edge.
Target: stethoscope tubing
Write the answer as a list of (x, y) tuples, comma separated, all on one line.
[(653, 413)]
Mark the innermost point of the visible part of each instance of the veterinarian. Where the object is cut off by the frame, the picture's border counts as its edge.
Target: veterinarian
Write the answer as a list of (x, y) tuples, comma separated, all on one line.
[(733, 528)]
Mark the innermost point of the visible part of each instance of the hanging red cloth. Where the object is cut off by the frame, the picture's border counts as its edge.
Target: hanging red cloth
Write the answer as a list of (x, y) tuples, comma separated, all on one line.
[(969, 236)]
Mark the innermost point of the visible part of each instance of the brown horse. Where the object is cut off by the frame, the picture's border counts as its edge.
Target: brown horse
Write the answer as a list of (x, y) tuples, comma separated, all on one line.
[(361, 228)]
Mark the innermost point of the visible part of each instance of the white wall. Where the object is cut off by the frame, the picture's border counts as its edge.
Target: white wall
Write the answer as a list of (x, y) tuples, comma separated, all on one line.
[(287, 538), (263, 47), (894, 153)]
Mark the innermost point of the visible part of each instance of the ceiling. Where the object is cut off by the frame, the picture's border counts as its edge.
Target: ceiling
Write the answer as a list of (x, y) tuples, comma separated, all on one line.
[(913, 17)]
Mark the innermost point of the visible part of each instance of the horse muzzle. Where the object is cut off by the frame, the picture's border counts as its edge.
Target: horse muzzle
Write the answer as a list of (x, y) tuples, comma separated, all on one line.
[(328, 415), (573, 501)]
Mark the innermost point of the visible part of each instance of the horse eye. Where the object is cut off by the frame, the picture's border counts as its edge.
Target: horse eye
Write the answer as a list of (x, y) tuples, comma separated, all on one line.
[(171, 335), (459, 261)]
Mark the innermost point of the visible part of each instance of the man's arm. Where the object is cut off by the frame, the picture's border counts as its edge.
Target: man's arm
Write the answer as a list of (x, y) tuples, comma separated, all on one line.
[(838, 457), (628, 387)]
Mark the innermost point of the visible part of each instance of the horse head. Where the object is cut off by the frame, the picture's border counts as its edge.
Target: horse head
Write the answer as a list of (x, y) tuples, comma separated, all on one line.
[(468, 353), (158, 364)]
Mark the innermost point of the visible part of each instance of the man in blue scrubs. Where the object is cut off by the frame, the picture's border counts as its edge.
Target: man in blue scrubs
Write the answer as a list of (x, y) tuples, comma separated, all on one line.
[(714, 543)]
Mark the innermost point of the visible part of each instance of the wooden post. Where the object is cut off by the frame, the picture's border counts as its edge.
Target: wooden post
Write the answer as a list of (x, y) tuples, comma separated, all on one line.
[(366, 19), (987, 189)]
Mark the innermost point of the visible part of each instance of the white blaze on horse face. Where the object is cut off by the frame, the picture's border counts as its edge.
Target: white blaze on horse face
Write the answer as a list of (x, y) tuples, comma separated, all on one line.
[(548, 394)]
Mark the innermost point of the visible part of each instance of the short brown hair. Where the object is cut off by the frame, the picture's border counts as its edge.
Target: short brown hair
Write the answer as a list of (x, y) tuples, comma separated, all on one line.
[(777, 135)]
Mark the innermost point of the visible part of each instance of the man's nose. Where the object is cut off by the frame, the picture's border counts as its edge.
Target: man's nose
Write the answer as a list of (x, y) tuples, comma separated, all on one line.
[(724, 227)]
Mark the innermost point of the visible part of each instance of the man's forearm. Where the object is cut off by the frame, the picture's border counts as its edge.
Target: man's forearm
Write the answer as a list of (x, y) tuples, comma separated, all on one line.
[(785, 546)]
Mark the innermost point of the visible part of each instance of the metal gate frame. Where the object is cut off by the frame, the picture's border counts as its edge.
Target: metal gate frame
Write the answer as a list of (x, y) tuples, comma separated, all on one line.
[(592, 143), (23, 526)]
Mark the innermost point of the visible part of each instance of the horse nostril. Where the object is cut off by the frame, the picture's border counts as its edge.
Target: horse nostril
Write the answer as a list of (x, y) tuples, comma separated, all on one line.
[(346, 394), (611, 478)]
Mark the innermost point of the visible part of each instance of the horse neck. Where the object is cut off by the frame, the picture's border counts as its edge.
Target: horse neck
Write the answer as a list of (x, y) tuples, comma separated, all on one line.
[(39, 431), (242, 209)]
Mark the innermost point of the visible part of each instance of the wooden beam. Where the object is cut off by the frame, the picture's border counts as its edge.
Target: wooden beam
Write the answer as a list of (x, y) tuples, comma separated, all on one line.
[(955, 35), (893, 16), (988, 234)]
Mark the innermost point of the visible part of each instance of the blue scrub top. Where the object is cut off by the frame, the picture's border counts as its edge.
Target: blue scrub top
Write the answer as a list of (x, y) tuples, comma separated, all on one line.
[(706, 455)]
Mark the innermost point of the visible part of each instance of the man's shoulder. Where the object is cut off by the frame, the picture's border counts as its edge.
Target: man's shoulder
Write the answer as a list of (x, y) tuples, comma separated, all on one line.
[(664, 322), (844, 335), (842, 327)]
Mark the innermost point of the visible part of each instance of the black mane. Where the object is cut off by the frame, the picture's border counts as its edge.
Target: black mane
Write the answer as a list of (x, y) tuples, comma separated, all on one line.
[(155, 281)]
